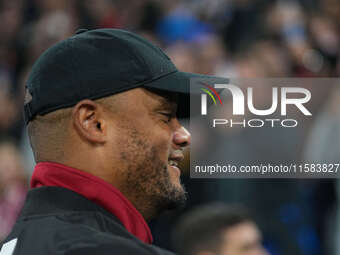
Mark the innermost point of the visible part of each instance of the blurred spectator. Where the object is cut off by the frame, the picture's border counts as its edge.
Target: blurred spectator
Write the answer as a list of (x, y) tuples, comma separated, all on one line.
[(99, 13), (183, 57), (11, 18), (181, 25), (217, 229), (9, 106), (50, 29), (324, 34), (323, 146), (13, 186)]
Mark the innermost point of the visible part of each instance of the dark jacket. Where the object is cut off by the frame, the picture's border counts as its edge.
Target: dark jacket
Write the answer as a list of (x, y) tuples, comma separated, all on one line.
[(56, 221)]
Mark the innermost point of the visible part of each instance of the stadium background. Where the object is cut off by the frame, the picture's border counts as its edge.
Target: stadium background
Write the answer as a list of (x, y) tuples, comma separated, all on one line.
[(232, 38)]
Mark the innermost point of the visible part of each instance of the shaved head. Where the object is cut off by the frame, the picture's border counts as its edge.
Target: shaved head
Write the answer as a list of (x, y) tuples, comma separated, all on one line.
[(47, 134)]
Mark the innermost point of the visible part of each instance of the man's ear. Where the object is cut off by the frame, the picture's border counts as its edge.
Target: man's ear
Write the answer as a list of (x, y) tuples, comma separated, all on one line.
[(87, 118)]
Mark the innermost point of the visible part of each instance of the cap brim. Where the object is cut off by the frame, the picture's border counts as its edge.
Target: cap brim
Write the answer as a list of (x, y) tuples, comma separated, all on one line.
[(183, 82), (186, 84)]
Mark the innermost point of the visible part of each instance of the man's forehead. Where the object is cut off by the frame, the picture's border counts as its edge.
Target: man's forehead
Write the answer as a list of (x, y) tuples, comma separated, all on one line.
[(164, 98), (141, 98)]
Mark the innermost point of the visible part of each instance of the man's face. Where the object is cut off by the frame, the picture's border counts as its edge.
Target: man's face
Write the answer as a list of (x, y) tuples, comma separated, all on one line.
[(147, 143), (242, 239)]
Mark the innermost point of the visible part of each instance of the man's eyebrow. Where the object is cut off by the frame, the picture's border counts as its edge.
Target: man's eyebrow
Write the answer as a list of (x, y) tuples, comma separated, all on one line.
[(165, 103)]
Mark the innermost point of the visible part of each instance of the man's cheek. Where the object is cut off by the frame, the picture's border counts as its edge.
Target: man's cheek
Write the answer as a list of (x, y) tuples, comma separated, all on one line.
[(163, 147)]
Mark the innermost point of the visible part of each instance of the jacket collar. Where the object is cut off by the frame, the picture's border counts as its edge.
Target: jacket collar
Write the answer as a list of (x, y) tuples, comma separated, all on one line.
[(96, 190)]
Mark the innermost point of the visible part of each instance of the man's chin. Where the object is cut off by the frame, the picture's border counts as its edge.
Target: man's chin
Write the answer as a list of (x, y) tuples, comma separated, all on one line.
[(170, 190), (177, 197)]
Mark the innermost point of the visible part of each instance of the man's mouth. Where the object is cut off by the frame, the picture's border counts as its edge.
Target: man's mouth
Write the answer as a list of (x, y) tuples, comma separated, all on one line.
[(174, 166), (173, 163), (174, 160)]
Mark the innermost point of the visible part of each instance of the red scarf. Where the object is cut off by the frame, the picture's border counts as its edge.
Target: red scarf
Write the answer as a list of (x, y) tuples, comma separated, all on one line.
[(96, 190)]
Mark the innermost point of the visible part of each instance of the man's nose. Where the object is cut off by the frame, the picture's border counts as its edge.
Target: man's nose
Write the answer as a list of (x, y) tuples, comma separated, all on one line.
[(182, 137)]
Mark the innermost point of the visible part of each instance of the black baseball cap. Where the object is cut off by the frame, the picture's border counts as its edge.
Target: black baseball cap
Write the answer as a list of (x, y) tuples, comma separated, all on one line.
[(97, 63)]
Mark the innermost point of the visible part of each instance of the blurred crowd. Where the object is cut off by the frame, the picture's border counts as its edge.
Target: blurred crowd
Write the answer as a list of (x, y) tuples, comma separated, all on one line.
[(232, 38)]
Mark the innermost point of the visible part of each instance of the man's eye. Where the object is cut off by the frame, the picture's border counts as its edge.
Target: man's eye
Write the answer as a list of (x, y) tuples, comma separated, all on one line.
[(167, 116)]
